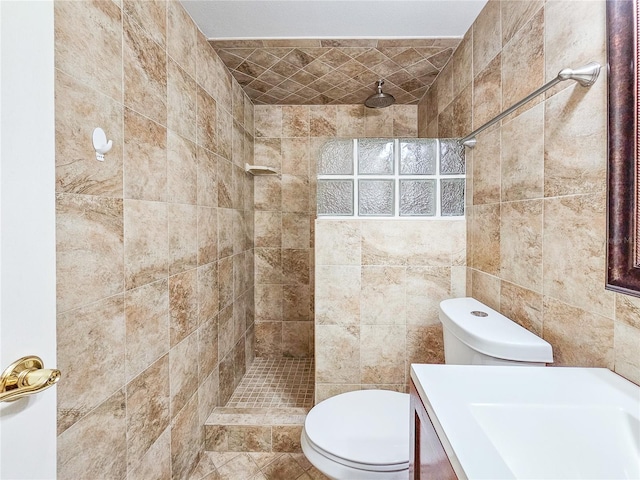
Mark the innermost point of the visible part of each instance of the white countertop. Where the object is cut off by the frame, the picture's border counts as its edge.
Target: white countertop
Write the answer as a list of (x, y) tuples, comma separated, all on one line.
[(506, 422)]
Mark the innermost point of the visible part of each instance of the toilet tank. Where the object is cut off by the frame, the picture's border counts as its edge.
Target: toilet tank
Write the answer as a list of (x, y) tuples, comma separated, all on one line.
[(475, 334)]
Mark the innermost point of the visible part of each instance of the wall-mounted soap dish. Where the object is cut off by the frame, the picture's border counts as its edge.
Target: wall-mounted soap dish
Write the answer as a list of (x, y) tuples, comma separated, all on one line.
[(259, 170)]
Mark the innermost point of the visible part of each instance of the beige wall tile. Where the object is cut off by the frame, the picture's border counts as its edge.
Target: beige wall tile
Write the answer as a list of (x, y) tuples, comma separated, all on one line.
[(208, 293), (337, 296), (487, 36), (322, 120), (268, 121), (146, 242), (145, 158), (339, 360), (573, 252), (89, 238), (183, 305), (575, 141), (578, 337), (523, 165), (521, 305), (383, 299), (296, 339), (569, 46), (426, 287), (103, 432), (147, 409), (382, 354), (345, 252), (515, 14), (103, 323), (295, 156), (186, 440), (181, 37), (183, 237), (627, 346), (269, 339), (183, 377), (77, 170), (181, 101), (151, 16), (405, 121), (485, 238), (145, 73), (94, 27), (486, 289), (487, 91), (378, 122), (628, 310), (206, 120), (350, 121), (185, 165), (147, 326), (523, 62), (521, 243), (286, 438), (269, 302), (295, 121), (486, 168), (156, 463), (424, 345)]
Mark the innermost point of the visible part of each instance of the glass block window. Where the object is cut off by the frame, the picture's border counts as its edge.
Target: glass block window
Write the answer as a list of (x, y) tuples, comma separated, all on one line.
[(375, 177)]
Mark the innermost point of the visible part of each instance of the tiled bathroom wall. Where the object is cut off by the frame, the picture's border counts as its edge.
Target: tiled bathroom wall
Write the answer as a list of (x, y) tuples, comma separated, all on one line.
[(536, 231), (154, 245), (378, 286), (288, 138)]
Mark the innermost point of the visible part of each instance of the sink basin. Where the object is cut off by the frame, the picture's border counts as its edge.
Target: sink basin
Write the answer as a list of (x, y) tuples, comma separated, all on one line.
[(508, 422), (561, 441)]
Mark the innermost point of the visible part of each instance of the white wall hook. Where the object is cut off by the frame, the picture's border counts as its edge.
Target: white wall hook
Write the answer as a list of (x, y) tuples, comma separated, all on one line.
[(101, 144)]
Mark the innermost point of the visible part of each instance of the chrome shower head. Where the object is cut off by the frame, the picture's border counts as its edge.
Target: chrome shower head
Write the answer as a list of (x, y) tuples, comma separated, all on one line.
[(379, 100)]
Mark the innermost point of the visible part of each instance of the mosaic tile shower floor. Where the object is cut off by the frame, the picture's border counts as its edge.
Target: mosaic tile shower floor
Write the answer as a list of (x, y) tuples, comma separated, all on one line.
[(275, 382)]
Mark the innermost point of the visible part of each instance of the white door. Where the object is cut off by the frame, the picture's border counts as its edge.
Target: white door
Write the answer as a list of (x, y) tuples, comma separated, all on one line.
[(27, 231)]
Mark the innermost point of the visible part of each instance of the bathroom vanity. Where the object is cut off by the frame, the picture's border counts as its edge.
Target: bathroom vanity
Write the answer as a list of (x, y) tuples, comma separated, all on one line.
[(510, 422), (427, 460)]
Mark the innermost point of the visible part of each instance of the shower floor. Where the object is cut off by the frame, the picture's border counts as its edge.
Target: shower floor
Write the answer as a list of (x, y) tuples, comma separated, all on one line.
[(275, 382), (267, 410)]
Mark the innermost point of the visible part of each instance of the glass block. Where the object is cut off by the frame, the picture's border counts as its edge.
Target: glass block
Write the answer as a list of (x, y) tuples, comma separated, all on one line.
[(418, 197), (336, 158), (375, 156), (375, 197), (451, 157), (335, 197), (418, 157), (452, 197)]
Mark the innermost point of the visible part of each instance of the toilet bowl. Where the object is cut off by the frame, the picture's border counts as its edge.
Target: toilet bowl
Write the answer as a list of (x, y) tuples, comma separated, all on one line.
[(364, 435), (361, 435)]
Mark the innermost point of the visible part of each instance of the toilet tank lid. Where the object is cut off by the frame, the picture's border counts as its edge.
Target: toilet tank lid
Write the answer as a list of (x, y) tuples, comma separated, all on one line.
[(492, 334)]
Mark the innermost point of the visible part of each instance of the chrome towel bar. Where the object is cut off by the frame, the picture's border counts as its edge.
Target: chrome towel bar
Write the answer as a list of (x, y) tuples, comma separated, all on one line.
[(585, 76)]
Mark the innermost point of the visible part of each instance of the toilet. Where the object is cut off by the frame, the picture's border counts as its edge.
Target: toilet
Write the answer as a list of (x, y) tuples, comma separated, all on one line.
[(364, 435)]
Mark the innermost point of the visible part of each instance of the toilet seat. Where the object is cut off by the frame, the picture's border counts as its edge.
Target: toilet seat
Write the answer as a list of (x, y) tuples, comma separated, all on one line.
[(366, 430)]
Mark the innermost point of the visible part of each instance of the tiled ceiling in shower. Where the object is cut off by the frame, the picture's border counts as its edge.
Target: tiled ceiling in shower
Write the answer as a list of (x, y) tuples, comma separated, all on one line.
[(333, 72)]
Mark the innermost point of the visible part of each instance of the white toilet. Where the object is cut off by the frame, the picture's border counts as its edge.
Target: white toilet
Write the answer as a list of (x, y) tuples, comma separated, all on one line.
[(364, 435)]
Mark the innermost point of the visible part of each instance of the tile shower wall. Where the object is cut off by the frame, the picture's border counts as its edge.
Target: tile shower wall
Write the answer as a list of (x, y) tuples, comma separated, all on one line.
[(288, 138), (378, 287), (536, 232), (154, 245)]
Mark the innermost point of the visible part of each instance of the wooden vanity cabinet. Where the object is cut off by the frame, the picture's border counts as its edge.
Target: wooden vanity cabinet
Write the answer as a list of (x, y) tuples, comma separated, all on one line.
[(428, 460)]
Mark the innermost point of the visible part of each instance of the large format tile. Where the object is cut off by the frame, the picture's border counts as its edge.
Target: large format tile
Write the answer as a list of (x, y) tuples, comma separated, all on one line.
[(147, 326), (521, 243), (146, 242), (94, 27), (574, 252), (578, 337), (383, 295), (147, 409), (77, 170), (101, 325), (89, 238), (145, 73)]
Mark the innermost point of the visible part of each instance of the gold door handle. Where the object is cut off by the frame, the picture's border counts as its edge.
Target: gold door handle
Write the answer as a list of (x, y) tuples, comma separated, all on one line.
[(26, 376)]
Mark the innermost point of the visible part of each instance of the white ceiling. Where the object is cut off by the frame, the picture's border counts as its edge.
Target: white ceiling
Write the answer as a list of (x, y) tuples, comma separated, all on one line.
[(267, 19)]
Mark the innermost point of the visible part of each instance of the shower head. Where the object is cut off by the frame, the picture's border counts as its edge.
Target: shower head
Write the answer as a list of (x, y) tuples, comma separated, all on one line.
[(379, 100)]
